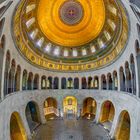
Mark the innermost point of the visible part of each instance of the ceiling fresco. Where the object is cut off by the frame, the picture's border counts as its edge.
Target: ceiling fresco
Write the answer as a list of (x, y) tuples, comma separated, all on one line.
[(70, 35)]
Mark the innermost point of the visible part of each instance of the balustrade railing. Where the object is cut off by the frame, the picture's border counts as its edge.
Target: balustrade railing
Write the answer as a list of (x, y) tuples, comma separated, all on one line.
[(51, 110)]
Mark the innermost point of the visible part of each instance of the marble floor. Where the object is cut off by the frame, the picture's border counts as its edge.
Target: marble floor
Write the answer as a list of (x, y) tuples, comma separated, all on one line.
[(71, 130)]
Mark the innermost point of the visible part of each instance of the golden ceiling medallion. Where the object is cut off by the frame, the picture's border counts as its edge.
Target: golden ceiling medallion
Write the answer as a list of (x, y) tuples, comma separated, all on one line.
[(71, 23), (71, 12)]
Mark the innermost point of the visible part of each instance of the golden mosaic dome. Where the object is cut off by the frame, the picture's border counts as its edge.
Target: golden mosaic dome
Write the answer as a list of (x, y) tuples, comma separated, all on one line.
[(70, 35), (71, 23)]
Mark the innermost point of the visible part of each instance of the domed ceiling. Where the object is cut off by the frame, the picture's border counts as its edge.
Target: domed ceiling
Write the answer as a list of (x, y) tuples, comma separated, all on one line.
[(70, 35), (71, 23)]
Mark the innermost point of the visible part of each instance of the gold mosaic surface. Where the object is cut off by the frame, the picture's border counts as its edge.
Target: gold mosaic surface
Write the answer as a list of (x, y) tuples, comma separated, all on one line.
[(66, 35), (42, 62)]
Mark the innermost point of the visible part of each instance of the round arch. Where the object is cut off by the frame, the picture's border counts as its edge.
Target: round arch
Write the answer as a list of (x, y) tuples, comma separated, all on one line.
[(17, 79), (115, 80), (107, 111), (123, 126), (32, 115), (107, 114), (17, 131), (103, 82), (50, 108), (122, 79), (70, 106), (89, 108), (133, 71), (43, 82)]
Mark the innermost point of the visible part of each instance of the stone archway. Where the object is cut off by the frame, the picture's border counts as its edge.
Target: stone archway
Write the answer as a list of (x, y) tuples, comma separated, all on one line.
[(70, 106), (30, 81), (89, 108), (17, 131), (123, 126), (50, 108), (32, 115), (107, 114)]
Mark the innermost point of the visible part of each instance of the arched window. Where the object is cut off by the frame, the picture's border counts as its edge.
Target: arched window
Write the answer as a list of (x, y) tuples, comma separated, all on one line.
[(2, 43), (128, 78), (24, 80), (43, 82), (103, 80), (76, 83), (36, 82), (11, 78), (30, 81), (2, 54), (84, 83), (63, 83), (49, 82), (138, 29), (122, 79), (137, 47), (90, 83), (110, 81), (17, 79), (70, 83), (96, 82), (132, 66), (56, 83), (6, 74), (115, 81)]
